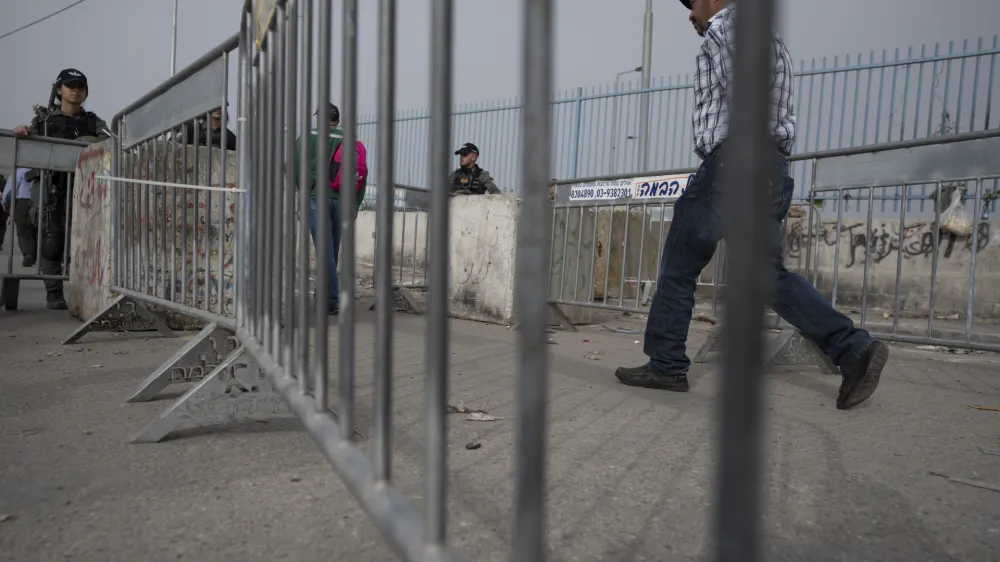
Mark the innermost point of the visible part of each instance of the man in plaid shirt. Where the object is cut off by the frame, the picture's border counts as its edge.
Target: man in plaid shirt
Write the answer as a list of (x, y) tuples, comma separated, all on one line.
[(697, 228)]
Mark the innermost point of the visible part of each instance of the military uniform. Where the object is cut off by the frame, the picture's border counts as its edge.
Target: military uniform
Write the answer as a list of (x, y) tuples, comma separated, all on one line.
[(472, 180), (57, 186)]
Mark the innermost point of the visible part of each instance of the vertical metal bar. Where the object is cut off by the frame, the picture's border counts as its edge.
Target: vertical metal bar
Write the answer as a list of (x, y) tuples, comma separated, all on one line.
[(607, 259), (241, 215), (973, 259), (819, 109), (532, 259), (854, 115), (947, 88), (961, 87), (899, 260), (749, 163), (906, 94), (258, 132), (579, 251), (920, 90), (288, 204), (934, 83), (575, 158), (621, 284), (305, 110), (642, 240), (402, 242), (868, 256), (833, 101), (348, 179), (13, 205), (323, 226), (975, 87), (223, 195), (148, 267), (892, 97), (878, 108), (276, 156), (989, 83), (383, 240), (868, 99), (934, 264), (442, 17), (593, 251), (184, 216), (172, 178)]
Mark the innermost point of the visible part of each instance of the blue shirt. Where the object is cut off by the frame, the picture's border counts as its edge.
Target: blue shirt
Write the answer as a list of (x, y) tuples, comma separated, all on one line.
[(23, 187)]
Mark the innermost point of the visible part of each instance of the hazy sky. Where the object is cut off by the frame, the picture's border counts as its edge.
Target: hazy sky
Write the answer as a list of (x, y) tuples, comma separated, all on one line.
[(124, 45)]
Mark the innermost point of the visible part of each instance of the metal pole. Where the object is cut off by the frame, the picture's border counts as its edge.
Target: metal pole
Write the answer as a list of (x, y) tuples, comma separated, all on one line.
[(614, 117), (173, 46), (647, 59)]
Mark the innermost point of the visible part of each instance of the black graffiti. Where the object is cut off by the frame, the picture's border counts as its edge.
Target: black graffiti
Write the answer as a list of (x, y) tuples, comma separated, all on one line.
[(883, 240)]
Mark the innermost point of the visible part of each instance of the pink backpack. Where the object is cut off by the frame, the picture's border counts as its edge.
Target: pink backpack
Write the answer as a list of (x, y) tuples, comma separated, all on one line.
[(362, 165)]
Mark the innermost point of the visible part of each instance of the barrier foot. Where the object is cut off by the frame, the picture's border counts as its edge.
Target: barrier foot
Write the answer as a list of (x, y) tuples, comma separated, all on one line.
[(123, 314), (712, 343), (191, 363), (10, 289), (235, 391), (402, 299), (561, 318), (789, 347)]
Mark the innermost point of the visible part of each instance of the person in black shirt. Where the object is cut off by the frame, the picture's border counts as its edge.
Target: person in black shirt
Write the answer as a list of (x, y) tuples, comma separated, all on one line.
[(214, 134), (469, 178)]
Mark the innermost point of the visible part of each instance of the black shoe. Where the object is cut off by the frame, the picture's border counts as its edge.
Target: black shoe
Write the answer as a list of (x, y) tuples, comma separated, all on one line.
[(861, 380), (333, 311), (28, 260), (648, 378), (55, 301)]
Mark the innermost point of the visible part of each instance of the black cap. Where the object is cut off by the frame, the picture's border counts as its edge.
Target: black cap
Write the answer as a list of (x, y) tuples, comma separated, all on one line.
[(334, 113), (467, 148), (687, 3), (71, 75)]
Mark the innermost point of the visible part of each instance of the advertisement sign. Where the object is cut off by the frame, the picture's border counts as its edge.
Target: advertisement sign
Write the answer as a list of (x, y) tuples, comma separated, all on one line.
[(263, 13), (660, 187), (614, 189)]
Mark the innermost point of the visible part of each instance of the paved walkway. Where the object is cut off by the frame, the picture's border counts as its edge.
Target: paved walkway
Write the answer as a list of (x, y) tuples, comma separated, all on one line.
[(631, 470)]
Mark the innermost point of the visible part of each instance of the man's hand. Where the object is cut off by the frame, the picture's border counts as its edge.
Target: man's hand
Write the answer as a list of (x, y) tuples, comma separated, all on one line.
[(21, 131)]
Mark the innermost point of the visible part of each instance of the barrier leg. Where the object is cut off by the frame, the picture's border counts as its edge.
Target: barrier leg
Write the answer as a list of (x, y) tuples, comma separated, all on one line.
[(235, 391), (10, 288), (122, 315), (561, 318), (403, 299), (789, 347), (191, 363)]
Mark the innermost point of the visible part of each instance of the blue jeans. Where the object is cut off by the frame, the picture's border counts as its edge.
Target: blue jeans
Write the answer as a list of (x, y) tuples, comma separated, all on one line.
[(333, 291), (695, 231)]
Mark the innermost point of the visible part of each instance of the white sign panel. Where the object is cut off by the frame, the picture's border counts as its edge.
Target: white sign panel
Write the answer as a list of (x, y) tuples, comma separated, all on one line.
[(613, 189), (660, 187)]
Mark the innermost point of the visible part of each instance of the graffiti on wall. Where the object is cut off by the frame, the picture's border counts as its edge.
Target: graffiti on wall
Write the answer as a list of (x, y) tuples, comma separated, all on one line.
[(883, 240)]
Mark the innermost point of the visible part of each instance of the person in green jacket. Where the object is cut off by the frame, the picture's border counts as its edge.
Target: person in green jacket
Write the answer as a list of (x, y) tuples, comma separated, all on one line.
[(336, 135)]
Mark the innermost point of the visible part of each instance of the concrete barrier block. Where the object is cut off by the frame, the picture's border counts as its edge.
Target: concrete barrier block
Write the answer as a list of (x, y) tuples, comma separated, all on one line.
[(88, 290)]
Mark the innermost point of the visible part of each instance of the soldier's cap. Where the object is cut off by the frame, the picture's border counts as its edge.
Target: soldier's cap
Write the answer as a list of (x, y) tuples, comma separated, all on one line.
[(687, 3), (334, 113), (71, 75), (467, 148)]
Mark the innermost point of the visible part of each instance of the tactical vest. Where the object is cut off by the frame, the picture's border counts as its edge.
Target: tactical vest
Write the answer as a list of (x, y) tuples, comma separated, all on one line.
[(468, 180), (62, 126)]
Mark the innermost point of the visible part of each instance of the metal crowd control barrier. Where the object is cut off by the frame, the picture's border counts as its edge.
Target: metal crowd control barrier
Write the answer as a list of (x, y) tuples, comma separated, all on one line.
[(410, 237), (173, 231), (965, 163), (46, 156), (278, 359)]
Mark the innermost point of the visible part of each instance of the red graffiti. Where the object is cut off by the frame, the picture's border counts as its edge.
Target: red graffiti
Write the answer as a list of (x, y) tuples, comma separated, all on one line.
[(91, 259)]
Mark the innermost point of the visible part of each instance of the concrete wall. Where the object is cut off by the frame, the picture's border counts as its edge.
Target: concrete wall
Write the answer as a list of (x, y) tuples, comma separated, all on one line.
[(88, 290), (482, 253), (916, 242)]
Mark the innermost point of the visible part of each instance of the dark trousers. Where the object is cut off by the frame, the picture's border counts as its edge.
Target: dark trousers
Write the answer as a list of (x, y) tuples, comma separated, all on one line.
[(694, 233), (27, 232)]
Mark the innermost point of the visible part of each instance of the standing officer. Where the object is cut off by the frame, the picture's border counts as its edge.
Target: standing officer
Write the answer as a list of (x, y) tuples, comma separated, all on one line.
[(64, 118), (469, 178)]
